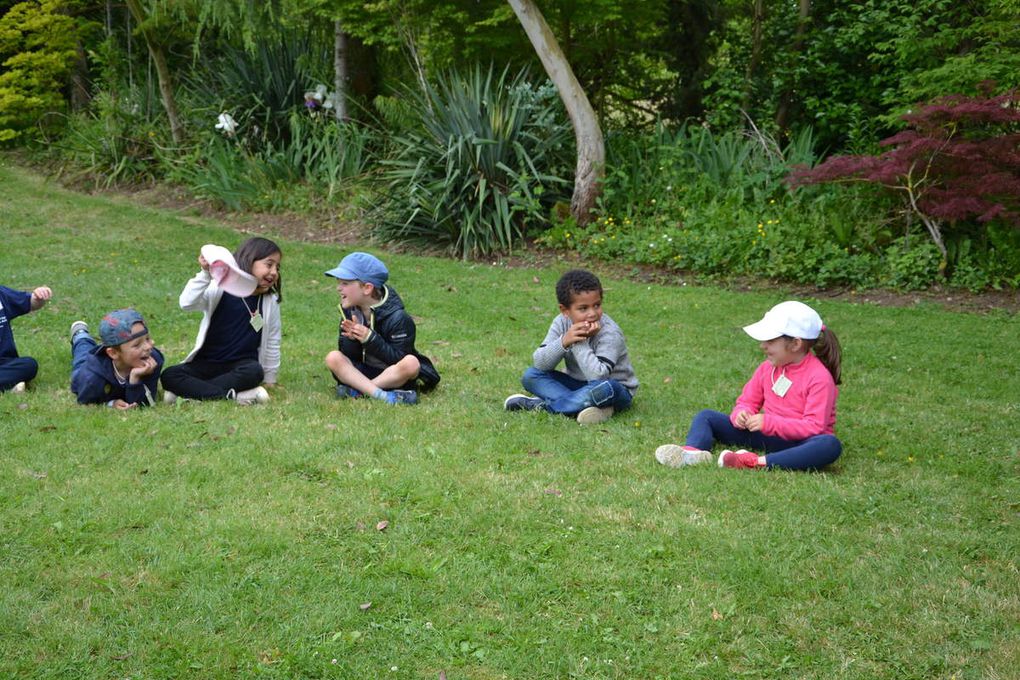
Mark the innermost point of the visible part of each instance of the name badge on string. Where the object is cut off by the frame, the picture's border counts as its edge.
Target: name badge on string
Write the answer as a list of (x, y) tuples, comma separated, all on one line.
[(257, 321), (781, 385)]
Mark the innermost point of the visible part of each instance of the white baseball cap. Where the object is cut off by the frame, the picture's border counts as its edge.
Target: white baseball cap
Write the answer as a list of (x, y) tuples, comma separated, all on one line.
[(225, 272), (791, 318)]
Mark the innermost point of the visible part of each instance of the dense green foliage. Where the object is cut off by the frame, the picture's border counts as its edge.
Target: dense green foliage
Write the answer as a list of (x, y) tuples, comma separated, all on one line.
[(212, 541), (37, 51), (481, 166), (759, 80)]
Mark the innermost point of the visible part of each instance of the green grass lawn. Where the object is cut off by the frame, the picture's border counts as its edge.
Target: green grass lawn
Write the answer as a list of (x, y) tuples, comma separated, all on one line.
[(210, 540)]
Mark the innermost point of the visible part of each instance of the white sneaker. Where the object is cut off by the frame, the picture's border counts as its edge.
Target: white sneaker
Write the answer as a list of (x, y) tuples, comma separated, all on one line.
[(77, 327), (674, 455), (594, 415), (256, 395), (19, 388)]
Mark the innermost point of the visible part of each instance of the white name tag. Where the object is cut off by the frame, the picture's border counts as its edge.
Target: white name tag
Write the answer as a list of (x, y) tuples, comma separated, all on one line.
[(781, 386), (256, 321)]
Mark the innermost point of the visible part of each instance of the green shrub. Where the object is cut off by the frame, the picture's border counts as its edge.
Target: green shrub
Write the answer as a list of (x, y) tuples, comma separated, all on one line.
[(110, 144), (481, 168), (37, 51)]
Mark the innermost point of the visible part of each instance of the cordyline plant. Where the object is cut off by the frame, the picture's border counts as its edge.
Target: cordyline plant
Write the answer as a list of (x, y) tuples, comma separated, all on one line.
[(957, 161)]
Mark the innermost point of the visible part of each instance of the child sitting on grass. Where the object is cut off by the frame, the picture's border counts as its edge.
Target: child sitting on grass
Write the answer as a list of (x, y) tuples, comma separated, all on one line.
[(375, 353), (238, 343), (788, 407), (599, 379), (17, 371), (123, 372)]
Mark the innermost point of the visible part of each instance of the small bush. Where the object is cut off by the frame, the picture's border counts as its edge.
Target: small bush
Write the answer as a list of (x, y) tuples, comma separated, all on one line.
[(481, 168)]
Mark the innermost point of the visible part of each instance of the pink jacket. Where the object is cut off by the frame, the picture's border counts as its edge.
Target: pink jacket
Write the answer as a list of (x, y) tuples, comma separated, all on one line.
[(807, 409)]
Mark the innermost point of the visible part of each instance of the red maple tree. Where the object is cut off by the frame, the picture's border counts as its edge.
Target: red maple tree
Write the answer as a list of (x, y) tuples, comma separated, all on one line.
[(956, 163)]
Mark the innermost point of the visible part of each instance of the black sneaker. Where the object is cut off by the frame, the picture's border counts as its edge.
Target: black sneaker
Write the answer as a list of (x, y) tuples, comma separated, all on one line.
[(522, 402)]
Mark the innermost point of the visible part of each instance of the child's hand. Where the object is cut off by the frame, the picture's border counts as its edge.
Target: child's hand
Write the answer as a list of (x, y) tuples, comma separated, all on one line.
[(582, 330), (754, 423), (740, 422), (354, 331), (139, 372), (203, 264), (40, 296), (122, 405)]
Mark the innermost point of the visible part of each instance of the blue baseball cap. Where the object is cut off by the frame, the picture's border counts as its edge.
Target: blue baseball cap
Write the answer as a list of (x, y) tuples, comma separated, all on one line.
[(361, 267), (115, 328)]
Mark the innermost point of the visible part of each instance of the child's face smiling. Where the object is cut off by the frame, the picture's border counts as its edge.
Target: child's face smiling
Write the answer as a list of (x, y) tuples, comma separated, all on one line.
[(782, 351), (266, 272), (353, 293), (133, 353), (584, 306)]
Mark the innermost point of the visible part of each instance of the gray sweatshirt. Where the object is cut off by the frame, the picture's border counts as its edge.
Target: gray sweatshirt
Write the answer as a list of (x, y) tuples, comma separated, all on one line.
[(599, 358)]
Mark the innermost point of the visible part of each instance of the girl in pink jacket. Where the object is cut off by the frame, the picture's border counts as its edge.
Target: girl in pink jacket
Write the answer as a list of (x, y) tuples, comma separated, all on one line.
[(788, 407)]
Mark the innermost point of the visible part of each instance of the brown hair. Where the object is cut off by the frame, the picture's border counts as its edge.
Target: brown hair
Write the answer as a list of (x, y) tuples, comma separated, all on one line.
[(826, 347), (258, 248)]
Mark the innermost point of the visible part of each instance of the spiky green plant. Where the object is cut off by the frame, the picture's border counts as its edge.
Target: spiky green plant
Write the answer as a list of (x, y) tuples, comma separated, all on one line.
[(483, 166)]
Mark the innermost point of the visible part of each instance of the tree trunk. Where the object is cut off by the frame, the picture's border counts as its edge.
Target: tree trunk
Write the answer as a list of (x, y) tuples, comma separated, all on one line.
[(591, 151), (340, 72), (166, 88), (757, 28), (786, 101)]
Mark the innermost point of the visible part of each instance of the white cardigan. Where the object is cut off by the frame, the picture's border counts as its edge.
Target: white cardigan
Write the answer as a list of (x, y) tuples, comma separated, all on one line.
[(201, 294)]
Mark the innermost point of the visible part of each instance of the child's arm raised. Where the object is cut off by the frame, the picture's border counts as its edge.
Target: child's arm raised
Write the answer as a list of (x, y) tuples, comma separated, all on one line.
[(196, 291)]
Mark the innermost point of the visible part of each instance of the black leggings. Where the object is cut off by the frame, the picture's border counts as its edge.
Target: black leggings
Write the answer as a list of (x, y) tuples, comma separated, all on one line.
[(211, 380)]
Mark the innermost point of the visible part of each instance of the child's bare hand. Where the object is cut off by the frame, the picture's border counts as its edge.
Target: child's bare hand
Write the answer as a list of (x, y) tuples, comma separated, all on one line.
[(122, 405), (576, 333), (740, 422), (354, 331), (40, 296), (203, 263), (139, 372), (755, 422)]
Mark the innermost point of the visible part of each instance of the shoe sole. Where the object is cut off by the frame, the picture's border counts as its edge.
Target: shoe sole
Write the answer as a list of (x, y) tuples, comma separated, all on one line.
[(593, 415), (506, 402), (674, 456)]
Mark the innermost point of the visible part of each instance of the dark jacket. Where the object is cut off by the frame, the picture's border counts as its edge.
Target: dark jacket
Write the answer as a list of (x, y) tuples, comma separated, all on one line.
[(95, 382), (392, 339)]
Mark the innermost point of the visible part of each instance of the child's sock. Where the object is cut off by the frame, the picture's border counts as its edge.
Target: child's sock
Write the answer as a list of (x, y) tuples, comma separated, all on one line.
[(381, 394)]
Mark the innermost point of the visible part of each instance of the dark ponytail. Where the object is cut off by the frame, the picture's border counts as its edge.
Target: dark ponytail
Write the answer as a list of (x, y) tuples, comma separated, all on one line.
[(826, 347)]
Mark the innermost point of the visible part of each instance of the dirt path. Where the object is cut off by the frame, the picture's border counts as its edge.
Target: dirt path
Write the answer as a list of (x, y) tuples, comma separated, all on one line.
[(315, 229)]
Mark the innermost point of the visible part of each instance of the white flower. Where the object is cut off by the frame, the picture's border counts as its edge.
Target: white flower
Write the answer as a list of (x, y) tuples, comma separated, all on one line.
[(227, 124)]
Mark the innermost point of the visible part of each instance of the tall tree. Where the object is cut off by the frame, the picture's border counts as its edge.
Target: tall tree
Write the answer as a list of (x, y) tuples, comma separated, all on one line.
[(166, 83), (591, 151)]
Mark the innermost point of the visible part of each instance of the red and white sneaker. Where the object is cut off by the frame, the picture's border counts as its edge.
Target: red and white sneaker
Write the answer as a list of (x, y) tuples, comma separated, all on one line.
[(738, 459)]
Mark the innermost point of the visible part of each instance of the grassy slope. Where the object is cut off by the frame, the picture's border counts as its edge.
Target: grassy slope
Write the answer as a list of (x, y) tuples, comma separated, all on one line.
[(215, 541)]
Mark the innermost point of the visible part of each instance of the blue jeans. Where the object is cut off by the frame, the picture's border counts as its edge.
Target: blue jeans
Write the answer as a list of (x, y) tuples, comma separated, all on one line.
[(708, 427), (16, 369), (82, 345), (563, 394)]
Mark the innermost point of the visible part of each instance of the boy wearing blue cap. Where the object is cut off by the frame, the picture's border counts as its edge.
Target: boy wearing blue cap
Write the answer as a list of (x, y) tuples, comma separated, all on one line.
[(376, 354), (16, 371), (123, 372)]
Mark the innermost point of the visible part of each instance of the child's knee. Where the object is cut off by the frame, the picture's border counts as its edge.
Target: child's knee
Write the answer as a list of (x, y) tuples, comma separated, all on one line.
[(409, 366), (335, 360)]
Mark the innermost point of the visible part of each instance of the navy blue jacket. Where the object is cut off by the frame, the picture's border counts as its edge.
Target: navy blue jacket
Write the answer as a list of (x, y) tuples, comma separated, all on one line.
[(96, 383), (391, 340)]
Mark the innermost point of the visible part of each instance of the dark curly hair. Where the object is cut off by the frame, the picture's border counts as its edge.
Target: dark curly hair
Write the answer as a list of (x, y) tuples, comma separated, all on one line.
[(573, 282)]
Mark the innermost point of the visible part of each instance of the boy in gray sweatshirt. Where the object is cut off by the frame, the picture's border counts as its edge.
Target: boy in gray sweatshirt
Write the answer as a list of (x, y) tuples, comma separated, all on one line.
[(599, 379)]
